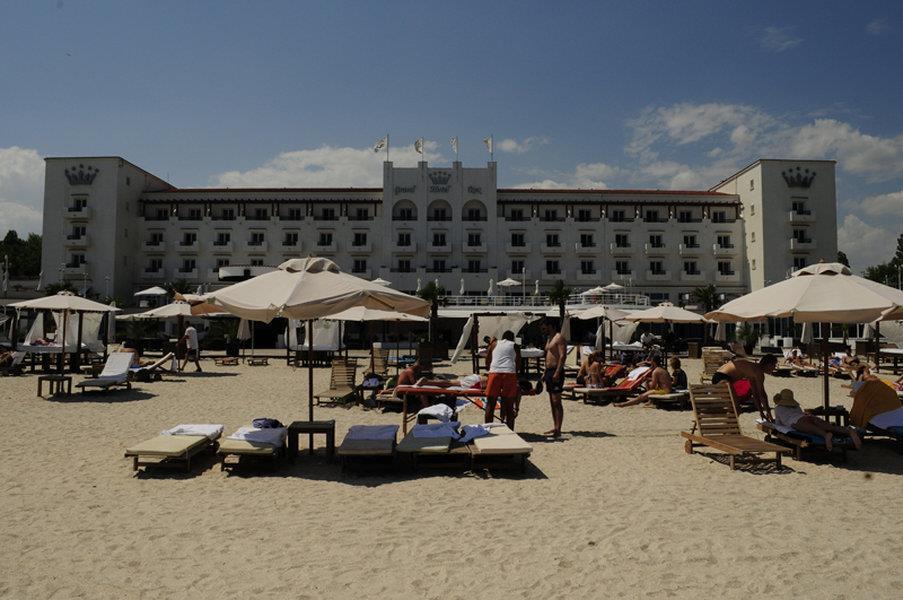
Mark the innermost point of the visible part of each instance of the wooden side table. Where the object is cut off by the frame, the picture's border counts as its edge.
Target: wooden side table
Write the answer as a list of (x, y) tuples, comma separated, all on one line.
[(55, 383), (298, 428)]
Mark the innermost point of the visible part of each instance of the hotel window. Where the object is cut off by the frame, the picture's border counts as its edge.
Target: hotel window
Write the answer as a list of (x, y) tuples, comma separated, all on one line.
[(552, 267), (752, 236), (256, 262), (439, 265), (651, 216), (584, 215), (156, 238), (360, 239), (690, 241), (474, 214), (76, 260), (799, 262), (260, 214), (257, 238), (194, 214), (752, 184), (154, 265), (162, 214), (222, 262), (404, 213), (440, 214), (328, 214), (294, 214), (719, 216), (324, 239), (188, 265), (618, 215), (799, 207), (801, 236), (517, 267), (587, 267), (361, 214), (228, 214), (518, 239), (516, 214), (552, 240), (659, 296), (222, 238), (586, 240), (655, 241), (189, 238), (724, 241), (685, 216), (752, 264), (622, 267), (359, 265), (752, 210), (78, 232), (656, 267), (80, 202), (474, 239), (622, 240), (404, 239), (691, 267), (439, 239), (725, 267), (291, 238), (474, 265), (550, 214), (404, 265)]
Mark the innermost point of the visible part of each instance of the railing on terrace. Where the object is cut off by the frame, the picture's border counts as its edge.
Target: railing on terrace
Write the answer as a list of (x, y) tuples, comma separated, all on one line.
[(516, 300)]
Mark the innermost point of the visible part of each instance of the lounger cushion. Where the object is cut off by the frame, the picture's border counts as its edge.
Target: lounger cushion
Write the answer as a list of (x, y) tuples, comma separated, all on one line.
[(672, 397), (501, 440), (366, 447), (436, 445), (244, 447), (167, 445)]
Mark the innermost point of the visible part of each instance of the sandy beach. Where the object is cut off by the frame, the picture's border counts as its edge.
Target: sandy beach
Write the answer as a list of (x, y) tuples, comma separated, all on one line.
[(615, 509)]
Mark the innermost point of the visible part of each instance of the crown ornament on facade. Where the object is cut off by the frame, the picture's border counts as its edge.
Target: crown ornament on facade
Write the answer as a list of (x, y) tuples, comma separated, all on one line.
[(82, 175), (801, 178), (440, 178)]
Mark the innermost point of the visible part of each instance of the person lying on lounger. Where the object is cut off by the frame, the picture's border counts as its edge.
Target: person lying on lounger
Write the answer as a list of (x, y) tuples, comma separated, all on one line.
[(796, 358), (787, 413), (660, 383)]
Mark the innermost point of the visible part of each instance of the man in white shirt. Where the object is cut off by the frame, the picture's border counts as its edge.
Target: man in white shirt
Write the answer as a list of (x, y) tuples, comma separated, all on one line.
[(190, 337)]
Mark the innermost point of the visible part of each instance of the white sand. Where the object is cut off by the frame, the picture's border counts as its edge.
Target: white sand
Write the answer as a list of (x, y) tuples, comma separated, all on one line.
[(615, 509)]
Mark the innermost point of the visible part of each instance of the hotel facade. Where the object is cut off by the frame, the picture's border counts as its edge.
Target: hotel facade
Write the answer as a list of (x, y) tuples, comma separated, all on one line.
[(115, 228)]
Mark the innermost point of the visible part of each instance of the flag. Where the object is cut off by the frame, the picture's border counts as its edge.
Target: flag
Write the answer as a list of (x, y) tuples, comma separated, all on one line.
[(454, 145), (488, 142), (418, 146), (381, 144)]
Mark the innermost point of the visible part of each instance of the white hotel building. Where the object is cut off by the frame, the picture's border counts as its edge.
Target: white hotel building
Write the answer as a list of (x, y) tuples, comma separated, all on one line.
[(117, 228)]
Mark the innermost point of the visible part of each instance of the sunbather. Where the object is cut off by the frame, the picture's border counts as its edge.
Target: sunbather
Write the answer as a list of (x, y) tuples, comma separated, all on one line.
[(660, 383), (787, 413), (754, 372), (678, 375)]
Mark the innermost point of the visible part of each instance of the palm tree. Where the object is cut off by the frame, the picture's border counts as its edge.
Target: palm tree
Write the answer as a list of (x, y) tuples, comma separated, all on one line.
[(433, 294), (706, 296), (559, 295)]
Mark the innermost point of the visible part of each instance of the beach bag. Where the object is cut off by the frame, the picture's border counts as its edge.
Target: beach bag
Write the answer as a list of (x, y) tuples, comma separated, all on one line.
[(265, 423)]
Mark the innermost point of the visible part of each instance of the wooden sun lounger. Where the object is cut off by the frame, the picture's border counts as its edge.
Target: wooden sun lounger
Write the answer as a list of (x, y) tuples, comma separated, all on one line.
[(712, 359), (168, 450), (240, 448), (627, 387), (716, 425), (434, 452), (341, 381), (501, 443), (351, 449), (679, 399)]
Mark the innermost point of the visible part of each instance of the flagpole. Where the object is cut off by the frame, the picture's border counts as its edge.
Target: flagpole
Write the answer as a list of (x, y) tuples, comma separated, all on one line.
[(387, 147)]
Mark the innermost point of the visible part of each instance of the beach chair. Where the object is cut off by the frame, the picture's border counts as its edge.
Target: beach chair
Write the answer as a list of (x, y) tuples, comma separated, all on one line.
[(379, 362), (364, 442), (716, 425), (797, 441), (153, 371), (15, 364), (341, 381), (712, 360), (878, 411), (441, 451), (609, 373), (115, 373), (501, 443), (629, 386), (175, 447), (679, 399), (253, 443)]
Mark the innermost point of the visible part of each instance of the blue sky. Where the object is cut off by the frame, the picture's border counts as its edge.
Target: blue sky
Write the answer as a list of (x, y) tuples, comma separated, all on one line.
[(638, 94)]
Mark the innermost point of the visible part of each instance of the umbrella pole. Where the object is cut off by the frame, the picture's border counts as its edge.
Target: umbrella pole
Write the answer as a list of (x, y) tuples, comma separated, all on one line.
[(611, 339), (877, 346), (825, 332), (310, 380), (76, 363), (63, 344), (601, 323)]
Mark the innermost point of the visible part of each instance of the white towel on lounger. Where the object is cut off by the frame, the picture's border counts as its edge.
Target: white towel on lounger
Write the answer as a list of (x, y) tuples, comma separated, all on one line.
[(436, 430), (443, 412), (210, 430), (372, 432), (271, 436)]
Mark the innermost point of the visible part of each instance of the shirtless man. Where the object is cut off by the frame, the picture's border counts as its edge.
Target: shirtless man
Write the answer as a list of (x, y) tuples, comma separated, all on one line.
[(553, 378), (660, 383), (594, 370), (743, 368), (410, 376)]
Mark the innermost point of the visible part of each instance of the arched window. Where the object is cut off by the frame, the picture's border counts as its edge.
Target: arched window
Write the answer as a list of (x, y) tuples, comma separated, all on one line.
[(474, 210), (404, 210), (439, 210)]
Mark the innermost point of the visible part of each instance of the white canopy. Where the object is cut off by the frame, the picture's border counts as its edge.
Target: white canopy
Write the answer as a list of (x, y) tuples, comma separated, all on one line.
[(596, 291), (508, 282), (820, 293), (613, 287), (601, 311), (381, 281), (152, 291), (65, 301), (360, 313), (665, 314), (309, 288)]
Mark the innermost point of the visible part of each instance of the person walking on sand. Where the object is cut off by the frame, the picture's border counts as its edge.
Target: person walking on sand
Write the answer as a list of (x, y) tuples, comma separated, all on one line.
[(553, 378), (192, 353), (504, 364)]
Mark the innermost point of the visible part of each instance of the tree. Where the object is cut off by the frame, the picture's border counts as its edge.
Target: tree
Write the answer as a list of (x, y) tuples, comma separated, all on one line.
[(433, 294), (24, 255), (842, 258), (179, 286), (888, 273), (559, 295), (706, 296)]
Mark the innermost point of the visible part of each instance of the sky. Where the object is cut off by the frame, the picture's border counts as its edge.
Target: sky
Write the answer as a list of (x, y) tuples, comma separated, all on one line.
[(669, 95)]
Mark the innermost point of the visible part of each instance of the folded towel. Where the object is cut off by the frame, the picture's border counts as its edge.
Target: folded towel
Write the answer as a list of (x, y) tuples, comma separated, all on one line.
[(436, 430), (443, 412), (372, 432), (472, 432), (268, 437), (211, 431)]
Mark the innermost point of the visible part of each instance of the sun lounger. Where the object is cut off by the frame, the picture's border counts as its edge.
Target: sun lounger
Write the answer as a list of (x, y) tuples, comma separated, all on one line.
[(797, 441), (368, 441), (115, 373), (153, 371), (712, 359), (877, 410), (174, 449), (15, 364), (629, 386), (501, 443), (341, 382), (716, 426), (226, 361), (680, 399), (254, 443)]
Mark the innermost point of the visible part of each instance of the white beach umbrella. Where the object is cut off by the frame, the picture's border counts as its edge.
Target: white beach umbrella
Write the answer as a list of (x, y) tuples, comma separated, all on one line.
[(360, 313), (613, 287), (381, 281), (508, 282), (152, 291), (665, 313), (601, 311), (596, 291)]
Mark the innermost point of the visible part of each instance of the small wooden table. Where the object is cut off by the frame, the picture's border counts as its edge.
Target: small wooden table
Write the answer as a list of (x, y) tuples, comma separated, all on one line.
[(55, 383), (838, 413), (298, 428)]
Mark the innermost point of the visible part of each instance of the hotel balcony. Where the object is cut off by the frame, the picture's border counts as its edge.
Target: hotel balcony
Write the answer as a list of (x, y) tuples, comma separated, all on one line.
[(802, 217), (256, 247), (408, 249), (78, 214), (155, 245), (546, 276), (290, 245), (658, 276), (660, 250), (699, 276), (223, 247), (685, 250), (585, 249), (442, 249), (547, 249), (724, 250), (361, 249), (330, 248), (71, 270), (187, 248), (157, 274), (76, 242), (522, 249), (588, 277), (801, 245), (620, 250), (474, 248), (183, 273), (731, 277)]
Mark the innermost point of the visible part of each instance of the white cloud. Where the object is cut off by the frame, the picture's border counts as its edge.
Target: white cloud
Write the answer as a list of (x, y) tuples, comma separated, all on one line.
[(325, 167), (877, 26), (890, 205), (778, 39), (584, 176), (857, 152), (513, 146), (864, 244), (21, 190)]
